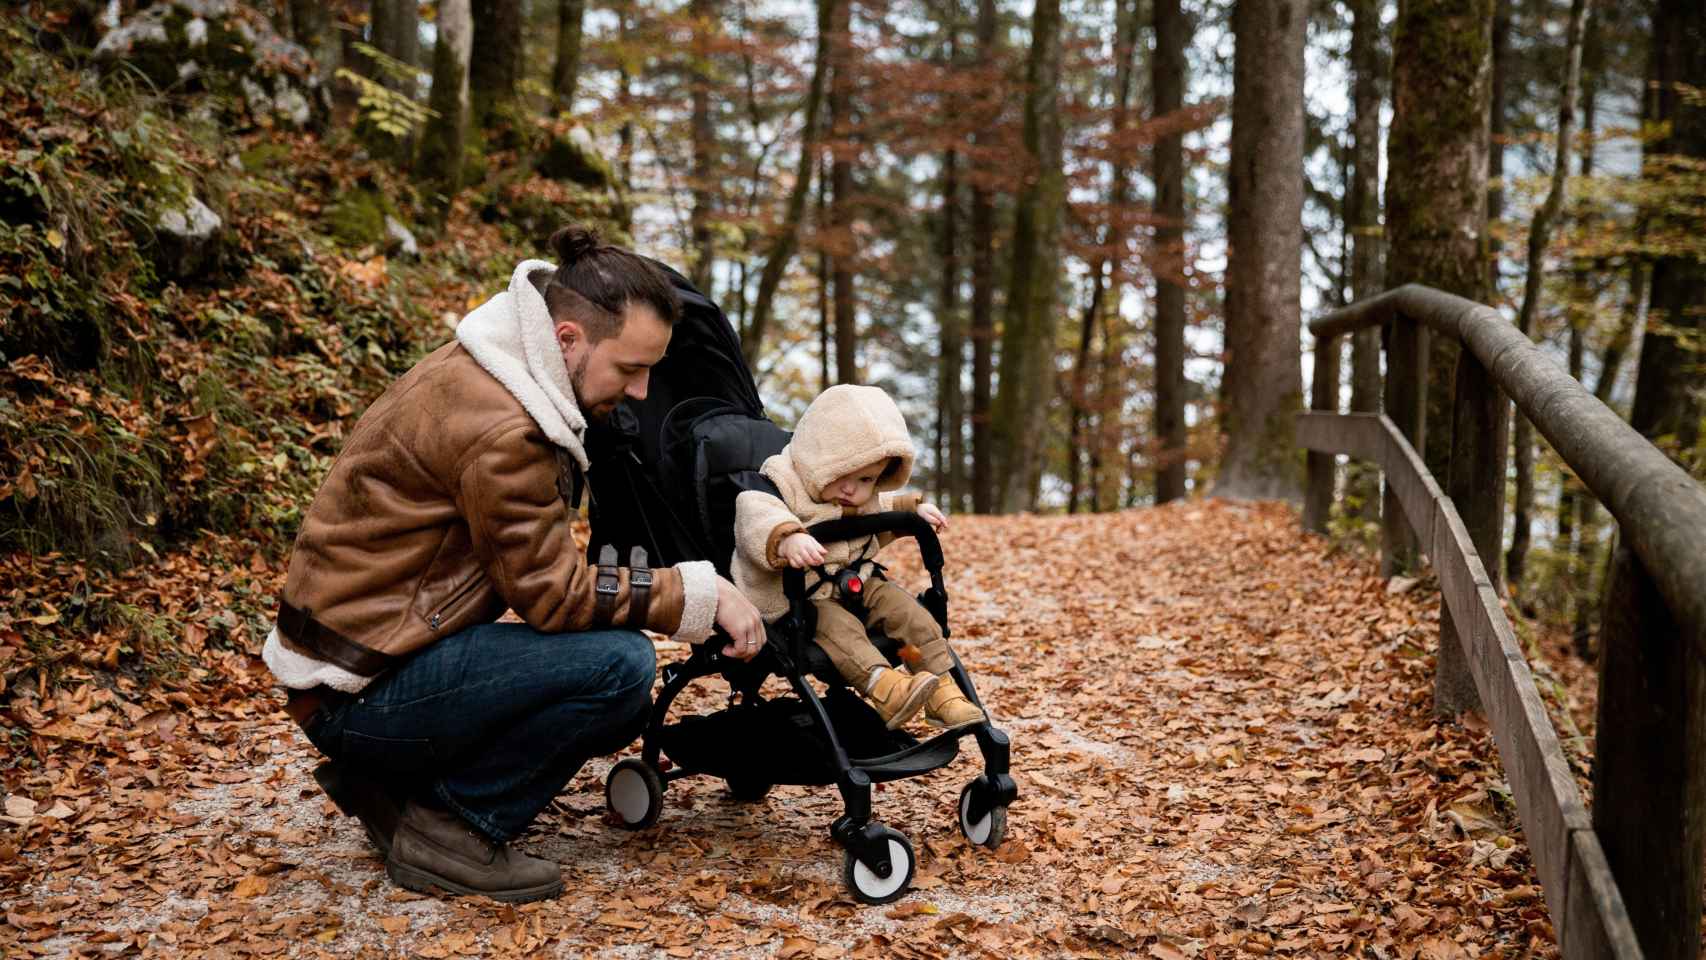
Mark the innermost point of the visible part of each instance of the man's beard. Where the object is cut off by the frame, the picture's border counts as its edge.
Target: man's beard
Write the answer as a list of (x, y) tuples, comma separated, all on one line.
[(600, 411)]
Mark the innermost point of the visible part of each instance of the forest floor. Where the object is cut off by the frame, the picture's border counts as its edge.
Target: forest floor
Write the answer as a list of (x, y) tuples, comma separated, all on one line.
[(1222, 738)]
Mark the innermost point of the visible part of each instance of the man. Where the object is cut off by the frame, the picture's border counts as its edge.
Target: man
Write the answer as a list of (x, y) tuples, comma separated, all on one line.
[(450, 502)]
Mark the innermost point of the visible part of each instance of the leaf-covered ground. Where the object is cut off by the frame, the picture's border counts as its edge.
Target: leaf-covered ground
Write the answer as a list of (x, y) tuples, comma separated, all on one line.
[(1223, 743)]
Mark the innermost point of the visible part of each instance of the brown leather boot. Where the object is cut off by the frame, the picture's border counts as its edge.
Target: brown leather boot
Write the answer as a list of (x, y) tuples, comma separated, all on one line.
[(898, 696), (949, 708), (363, 798), (436, 848)]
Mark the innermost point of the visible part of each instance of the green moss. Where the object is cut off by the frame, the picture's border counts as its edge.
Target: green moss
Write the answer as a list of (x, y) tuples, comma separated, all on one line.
[(357, 219), (263, 157)]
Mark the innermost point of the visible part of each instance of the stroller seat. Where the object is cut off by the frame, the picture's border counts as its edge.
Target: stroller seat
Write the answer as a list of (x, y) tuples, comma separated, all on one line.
[(665, 474)]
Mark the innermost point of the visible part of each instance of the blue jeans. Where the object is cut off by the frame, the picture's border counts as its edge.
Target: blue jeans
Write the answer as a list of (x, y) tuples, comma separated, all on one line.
[(493, 721)]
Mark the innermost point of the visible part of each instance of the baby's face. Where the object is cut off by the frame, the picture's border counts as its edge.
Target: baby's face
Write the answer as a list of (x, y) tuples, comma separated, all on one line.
[(854, 489)]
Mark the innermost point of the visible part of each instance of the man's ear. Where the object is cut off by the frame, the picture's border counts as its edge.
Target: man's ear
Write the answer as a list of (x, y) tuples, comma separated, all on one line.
[(569, 334)]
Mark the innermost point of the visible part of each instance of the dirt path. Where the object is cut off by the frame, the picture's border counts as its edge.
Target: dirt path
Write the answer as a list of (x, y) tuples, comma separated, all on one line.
[(1222, 744)]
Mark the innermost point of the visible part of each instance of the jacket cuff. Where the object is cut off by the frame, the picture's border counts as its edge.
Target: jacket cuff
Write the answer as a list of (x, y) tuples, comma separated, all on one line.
[(699, 601), (299, 671), (907, 502), (782, 532)]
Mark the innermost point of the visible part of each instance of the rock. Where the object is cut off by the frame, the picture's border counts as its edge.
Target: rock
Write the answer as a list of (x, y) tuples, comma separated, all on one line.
[(189, 238), (219, 47), (398, 239), (142, 30), (1397, 586)]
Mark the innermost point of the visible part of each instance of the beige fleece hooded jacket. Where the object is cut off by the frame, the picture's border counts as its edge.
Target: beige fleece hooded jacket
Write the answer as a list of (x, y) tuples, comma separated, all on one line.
[(845, 428)]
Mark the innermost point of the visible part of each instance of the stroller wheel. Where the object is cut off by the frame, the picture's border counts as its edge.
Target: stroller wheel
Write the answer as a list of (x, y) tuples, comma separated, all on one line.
[(748, 790), (634, 793), (864, 883), (988, 830)]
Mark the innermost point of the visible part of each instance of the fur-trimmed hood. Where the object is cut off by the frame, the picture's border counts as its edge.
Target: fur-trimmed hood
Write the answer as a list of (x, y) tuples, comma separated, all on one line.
[(512, 337), (845, 428)]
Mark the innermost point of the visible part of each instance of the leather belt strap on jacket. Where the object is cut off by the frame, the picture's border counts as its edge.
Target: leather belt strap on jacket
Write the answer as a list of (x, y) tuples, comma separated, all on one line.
[(639, 589), (301, 629), (605, 587), (608, 586)]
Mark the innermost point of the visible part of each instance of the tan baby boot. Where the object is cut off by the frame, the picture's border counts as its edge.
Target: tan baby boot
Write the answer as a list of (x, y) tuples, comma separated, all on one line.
[(949, 708), (898, 696)]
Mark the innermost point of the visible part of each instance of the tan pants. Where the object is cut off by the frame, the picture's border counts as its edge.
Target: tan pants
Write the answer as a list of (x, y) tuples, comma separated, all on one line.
[(893, 611)]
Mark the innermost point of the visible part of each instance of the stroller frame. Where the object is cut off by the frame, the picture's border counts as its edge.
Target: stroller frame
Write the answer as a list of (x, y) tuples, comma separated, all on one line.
[(878, 861)]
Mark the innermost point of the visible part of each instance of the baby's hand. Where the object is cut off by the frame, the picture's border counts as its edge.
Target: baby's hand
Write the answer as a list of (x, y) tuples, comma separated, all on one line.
[(934, 516), (802, 550)]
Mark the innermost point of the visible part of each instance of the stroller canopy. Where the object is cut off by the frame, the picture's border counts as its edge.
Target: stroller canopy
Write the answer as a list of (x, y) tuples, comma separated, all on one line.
[(665, 470)]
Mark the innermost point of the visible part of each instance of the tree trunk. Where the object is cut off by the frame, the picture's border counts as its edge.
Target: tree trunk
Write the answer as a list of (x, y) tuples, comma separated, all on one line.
[(1575, 502), (1264, 379), (1436, 203), (825, 346), (704, 14), (1083, 438), (1110, 421), (308, 22), (1539, 236), (397, 34), (1027, 340), (1075, 441), (565, 76), (444, 140), (983, 293), (496, 63), (782, 244), (841, 185), (625, 108), (951, 426), (1496, 141), (1671, 376), (1172, 32), (1364, 214)]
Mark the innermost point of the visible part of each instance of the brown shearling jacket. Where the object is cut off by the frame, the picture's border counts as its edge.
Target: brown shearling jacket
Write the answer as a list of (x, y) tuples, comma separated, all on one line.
[(446, 505)]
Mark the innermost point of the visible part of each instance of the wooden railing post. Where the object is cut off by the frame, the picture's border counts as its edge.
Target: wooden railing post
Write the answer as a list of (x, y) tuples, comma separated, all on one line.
[(1480, 431), (1649, 769), (1323, 395), (1406, 399)]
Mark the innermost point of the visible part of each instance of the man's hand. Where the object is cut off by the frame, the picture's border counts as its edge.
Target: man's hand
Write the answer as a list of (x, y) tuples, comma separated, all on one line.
[(740, 620), (934, 516), (801, 550)]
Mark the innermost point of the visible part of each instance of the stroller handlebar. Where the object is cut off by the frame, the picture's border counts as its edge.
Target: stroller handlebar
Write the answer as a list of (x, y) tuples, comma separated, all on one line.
[(901, 522)]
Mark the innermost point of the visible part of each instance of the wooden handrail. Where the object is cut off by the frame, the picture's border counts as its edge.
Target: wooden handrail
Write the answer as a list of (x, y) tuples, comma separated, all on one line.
[(1566, 851), (1661, 509), (1648, 824)]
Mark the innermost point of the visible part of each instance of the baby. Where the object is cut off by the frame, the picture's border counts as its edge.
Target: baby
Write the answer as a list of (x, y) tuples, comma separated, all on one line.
[(849, 455)]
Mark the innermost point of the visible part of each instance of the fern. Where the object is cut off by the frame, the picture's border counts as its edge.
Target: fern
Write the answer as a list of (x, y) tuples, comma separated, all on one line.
[(391, 111)]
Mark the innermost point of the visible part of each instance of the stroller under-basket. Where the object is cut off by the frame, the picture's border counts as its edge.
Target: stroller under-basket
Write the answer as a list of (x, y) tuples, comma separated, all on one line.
[(665, 474)]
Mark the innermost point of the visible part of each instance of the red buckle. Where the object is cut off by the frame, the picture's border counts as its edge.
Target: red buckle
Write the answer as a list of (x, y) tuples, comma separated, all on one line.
[(855, 584)]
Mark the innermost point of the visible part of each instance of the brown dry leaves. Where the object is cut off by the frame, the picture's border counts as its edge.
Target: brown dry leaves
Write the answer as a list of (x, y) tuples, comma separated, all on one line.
[(1222, 739)]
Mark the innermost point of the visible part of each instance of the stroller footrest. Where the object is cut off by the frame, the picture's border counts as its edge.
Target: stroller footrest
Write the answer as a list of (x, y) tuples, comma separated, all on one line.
[(929, 755)]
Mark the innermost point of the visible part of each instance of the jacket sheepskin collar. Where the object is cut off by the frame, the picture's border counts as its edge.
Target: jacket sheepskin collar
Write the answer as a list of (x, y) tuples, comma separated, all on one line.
[(511, 337)]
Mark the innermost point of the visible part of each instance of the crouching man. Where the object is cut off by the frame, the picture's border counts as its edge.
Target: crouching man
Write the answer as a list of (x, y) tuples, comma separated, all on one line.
[(446, 732)]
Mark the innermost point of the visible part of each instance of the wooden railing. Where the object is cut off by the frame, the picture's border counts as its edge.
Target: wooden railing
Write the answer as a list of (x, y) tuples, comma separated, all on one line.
[(1627, 882)]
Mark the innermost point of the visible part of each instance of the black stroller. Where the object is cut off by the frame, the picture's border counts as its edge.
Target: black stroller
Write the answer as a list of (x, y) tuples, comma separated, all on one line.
[(665, 474)]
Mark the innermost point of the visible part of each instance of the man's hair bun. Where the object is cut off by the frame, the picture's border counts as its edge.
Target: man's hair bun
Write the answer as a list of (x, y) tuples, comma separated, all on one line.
[(574, 243)]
